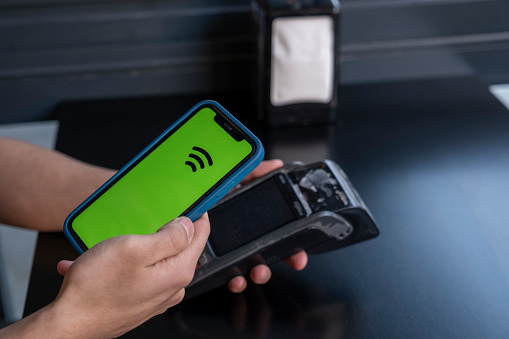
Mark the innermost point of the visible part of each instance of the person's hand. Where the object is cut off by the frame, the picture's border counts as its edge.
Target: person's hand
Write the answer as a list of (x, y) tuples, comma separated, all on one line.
[(126, 280), (261, 274)]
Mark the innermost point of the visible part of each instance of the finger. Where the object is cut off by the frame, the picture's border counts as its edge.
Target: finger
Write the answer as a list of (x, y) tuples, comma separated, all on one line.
[(237, 284), (260, 274), (297, 261), (63, 266), (201, 229), (169, 240), (191, 253), (264, 168), (201, 235), (202, 222), (187, 259)]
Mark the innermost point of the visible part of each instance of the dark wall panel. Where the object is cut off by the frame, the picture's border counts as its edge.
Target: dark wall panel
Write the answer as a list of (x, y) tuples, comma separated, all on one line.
[(52, 51)]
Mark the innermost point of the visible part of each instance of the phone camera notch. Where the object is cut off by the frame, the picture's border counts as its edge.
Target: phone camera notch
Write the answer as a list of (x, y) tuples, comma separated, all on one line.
[(229, 127)]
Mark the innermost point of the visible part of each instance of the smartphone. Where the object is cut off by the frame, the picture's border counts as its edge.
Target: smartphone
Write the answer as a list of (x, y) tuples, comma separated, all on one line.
[(312, 207), (183, 172)]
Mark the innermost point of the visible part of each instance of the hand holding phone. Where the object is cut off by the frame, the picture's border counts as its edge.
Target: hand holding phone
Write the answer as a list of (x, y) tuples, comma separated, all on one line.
[(185, 171)]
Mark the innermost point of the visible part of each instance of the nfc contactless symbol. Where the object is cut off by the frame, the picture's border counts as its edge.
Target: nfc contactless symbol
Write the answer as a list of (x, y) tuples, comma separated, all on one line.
[(199, 159)]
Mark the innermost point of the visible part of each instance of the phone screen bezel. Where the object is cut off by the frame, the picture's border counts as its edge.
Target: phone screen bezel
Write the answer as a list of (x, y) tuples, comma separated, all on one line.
[(235, 133)]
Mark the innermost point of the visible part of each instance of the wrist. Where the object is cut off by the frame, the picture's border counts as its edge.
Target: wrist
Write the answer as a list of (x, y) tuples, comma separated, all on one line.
[(68, 322)]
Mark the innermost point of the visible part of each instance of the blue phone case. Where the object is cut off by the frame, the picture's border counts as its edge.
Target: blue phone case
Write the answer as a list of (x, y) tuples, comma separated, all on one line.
[(212, 198)]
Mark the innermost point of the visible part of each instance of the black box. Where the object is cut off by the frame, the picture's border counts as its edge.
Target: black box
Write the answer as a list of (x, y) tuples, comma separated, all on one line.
[(298, 61)]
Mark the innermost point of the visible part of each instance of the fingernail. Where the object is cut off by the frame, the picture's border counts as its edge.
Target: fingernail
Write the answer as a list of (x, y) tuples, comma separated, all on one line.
[(188, 226)]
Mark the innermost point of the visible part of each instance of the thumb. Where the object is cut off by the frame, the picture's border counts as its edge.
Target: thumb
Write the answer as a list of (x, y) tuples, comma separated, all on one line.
[(63, 266), (183, 222), (172, 238)]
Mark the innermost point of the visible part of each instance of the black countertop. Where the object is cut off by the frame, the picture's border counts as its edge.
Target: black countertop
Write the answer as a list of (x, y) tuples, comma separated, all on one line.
[(430, 159)]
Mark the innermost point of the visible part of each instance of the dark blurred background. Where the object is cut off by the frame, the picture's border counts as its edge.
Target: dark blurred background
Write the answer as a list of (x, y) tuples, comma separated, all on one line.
[(56, 50)]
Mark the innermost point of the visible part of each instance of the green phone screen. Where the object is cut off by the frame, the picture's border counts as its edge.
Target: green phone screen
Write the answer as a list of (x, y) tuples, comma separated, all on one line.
[(165, 183)]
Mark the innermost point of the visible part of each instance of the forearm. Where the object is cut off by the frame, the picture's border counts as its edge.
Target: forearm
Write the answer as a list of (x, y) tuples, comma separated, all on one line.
[(40, 187), (41, 324), (46, 323)]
